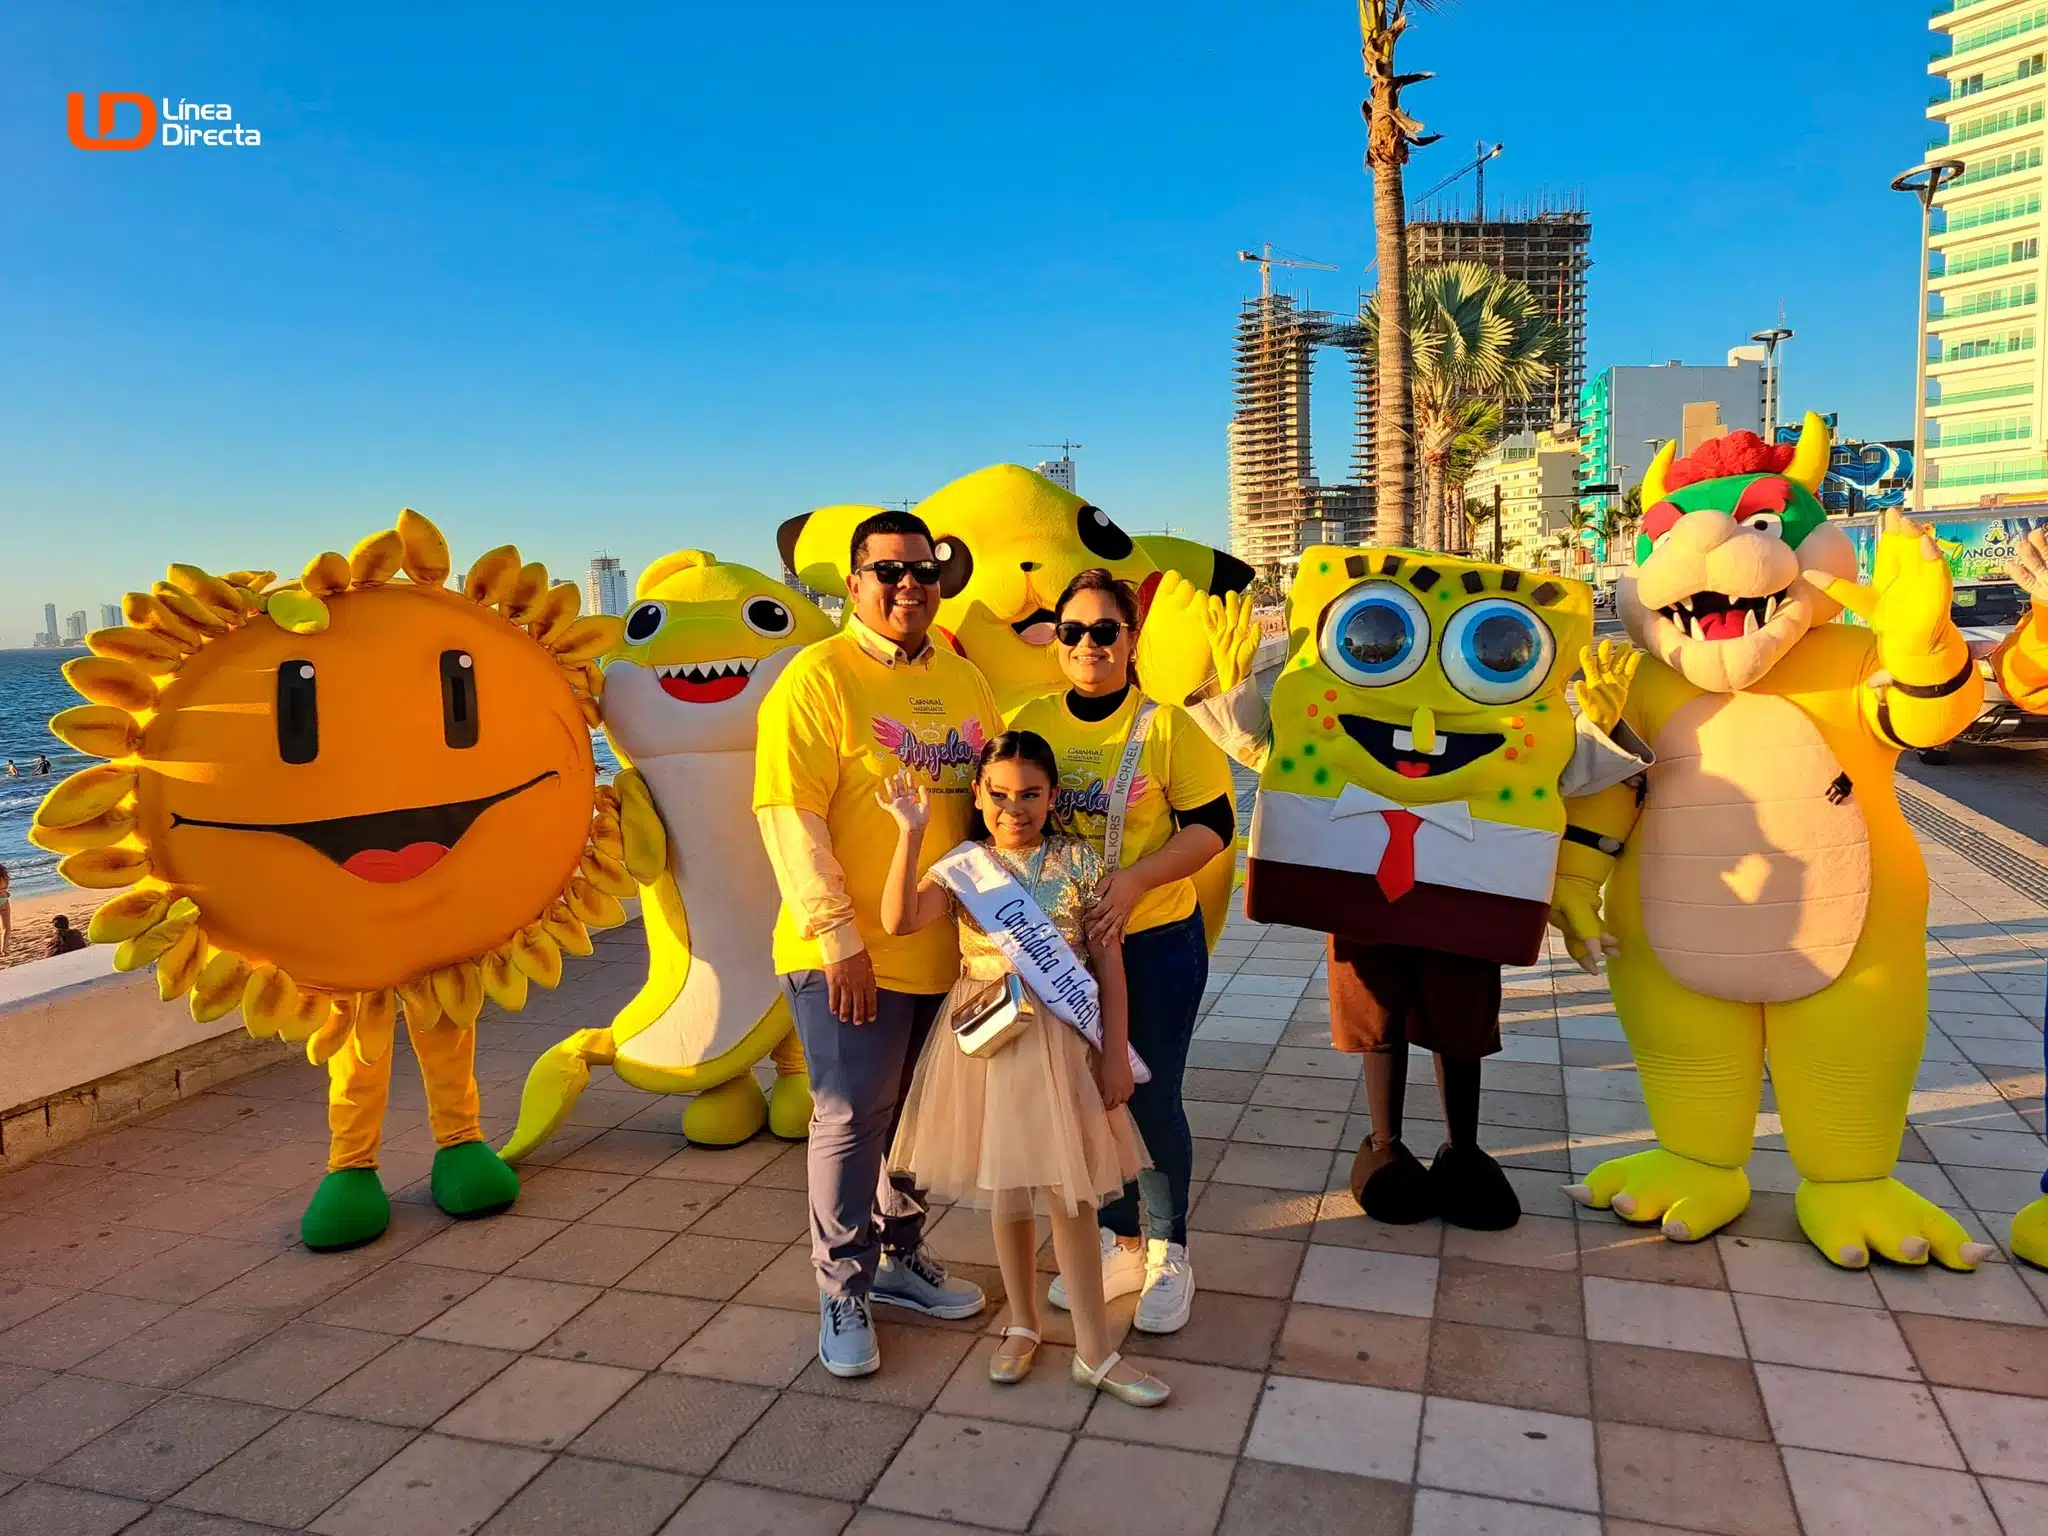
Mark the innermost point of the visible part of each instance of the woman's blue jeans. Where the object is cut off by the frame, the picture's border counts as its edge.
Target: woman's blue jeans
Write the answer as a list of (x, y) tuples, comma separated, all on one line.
[(1165, 970)]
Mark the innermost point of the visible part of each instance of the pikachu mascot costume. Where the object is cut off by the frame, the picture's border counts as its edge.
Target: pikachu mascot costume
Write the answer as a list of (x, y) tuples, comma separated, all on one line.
[(703, 642), (1766, 896), (1009, 541), (330, 799), (1413, 764)]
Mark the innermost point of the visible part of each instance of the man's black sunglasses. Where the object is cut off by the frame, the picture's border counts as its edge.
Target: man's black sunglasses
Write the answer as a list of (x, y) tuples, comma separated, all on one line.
[(1103, 632), (889, 572)]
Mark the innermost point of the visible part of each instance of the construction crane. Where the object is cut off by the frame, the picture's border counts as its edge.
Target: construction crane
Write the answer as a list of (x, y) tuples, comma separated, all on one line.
[(1467, 169), (1066, 449), (1268, 261)]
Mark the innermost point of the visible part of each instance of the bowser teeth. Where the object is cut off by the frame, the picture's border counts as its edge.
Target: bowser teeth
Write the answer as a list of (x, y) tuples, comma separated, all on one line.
[(1689, 615), (1404, 741)]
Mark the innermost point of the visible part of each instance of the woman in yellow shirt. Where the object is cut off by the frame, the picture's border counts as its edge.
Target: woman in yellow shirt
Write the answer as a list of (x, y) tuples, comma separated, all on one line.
[(1177, 818)]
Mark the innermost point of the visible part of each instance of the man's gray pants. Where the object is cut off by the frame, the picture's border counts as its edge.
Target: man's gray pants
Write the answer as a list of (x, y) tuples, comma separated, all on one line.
[(860, 1076)]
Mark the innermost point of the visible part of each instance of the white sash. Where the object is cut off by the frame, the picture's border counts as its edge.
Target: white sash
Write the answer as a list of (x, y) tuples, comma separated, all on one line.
[(1120, 788), (1012, 918)]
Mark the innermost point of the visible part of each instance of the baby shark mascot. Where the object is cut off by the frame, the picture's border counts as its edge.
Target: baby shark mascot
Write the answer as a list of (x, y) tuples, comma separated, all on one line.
[(2020, 664), (1764, 892), (703, 642), (1009, 541), (1413, 763)]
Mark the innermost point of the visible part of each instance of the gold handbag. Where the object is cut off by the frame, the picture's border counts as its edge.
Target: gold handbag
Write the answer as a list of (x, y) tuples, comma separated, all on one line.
[(991, 1018)]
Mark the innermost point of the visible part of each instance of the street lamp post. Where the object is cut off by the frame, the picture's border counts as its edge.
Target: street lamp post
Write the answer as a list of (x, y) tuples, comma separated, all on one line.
[(1924, 181), (1772, 339)]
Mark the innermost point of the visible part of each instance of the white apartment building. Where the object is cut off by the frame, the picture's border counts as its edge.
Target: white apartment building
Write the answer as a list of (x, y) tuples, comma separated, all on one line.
[(605, 589), (1984, 360), (1538, 477)]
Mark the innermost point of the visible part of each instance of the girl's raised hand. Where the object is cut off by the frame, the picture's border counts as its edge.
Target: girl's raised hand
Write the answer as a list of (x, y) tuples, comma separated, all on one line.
[(906, 799)]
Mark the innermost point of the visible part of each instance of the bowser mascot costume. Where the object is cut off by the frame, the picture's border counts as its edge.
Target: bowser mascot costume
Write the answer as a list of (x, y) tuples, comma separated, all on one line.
[(703, 641), (2021, 666), (1764, 895), (1412, 772)]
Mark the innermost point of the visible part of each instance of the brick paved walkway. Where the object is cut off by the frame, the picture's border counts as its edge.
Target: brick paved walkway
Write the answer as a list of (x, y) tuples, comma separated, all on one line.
[(630, 1350)]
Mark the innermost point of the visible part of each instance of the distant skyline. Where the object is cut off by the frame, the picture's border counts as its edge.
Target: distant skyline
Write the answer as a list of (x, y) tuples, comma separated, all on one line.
[(642, 278)]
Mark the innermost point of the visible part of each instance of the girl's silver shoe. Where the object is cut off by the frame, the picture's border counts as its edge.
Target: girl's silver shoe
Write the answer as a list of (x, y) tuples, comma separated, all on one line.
[(1145, 1392)]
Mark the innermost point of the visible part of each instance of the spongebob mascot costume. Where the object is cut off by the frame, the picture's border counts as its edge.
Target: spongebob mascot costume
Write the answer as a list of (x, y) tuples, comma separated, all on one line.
[(1766, 893), (703, 642), (1412, 768), (1009, 541), (2020, 665)]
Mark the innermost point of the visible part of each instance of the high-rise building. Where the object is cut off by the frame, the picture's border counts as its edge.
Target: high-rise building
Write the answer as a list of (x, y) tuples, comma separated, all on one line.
[(1985, 435), (1542, 246), (605, 589), (1059, 471), (1277, 504), (1537, 474), (49, 635), (1624, 411), (110, 616), (74, 628)]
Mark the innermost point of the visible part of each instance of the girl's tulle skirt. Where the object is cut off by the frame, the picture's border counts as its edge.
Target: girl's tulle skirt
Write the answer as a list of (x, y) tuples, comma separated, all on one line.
[(992, 1131)]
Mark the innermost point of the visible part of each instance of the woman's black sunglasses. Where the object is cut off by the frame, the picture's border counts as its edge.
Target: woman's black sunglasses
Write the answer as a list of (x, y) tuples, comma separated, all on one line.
[(1103, 632), (890, 572)]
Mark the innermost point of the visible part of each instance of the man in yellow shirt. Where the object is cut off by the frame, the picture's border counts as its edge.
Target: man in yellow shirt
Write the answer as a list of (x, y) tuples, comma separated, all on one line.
[(875, 699)]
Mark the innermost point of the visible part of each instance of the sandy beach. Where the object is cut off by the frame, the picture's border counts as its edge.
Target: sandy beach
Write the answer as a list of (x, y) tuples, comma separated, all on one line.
[(32, 927)]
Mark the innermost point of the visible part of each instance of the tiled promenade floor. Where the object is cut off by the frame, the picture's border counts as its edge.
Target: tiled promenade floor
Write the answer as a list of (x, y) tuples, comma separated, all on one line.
[(630, 1350)]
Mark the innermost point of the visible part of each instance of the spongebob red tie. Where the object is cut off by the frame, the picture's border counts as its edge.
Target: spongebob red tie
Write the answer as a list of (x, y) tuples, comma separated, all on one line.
[(1396, 873)]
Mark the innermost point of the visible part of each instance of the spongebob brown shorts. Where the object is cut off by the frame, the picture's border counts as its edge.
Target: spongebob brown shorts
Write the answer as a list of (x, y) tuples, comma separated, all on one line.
[(1384, 997)]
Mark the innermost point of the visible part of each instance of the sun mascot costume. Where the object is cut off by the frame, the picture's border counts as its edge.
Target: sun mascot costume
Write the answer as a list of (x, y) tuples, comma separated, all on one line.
[(703, 642), (1009, 541), (1766, 893), (2021, 666), (327, 800)]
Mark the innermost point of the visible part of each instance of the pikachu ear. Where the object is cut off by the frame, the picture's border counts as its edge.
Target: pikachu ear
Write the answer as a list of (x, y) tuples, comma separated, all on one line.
[(786, 537), (668, 565)]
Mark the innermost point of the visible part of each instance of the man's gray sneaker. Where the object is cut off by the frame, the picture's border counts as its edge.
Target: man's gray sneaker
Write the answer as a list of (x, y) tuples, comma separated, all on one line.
[(918, 1281), (846, 1336)]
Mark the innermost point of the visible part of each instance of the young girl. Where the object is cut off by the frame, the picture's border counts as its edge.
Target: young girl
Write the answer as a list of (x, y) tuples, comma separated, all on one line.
[(1044, 1114)]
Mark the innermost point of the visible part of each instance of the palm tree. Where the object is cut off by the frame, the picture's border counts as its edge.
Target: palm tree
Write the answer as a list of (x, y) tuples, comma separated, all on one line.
[(1475, 430), (1579, 521), (1567, 550), (1477, 515), (1390, 134), (1475, 337)]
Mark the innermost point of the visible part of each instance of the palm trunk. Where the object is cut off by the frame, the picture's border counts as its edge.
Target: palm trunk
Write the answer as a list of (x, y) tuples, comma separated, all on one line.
[(1394, 404)]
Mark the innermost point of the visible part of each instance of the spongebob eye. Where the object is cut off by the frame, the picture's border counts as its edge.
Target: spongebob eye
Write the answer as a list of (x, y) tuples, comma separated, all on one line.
[(645, 622), (1766, 522), (1375, 635), (765, 616), (1497, 651)]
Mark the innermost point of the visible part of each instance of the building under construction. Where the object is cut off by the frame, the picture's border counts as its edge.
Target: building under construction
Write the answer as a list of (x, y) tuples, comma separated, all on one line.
[(1277, 505), (1543, 246)]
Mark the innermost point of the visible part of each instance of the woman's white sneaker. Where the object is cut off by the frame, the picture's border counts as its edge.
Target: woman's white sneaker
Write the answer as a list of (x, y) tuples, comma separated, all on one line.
[(1169, 1289), (1123, 1272)]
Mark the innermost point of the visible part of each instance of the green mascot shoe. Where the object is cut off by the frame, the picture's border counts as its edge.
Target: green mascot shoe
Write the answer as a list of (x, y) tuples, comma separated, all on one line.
[(469, 1179), (349, 1209)]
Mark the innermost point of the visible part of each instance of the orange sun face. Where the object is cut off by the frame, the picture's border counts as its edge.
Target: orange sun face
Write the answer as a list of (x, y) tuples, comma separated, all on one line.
[(324, 798), (399, 791)]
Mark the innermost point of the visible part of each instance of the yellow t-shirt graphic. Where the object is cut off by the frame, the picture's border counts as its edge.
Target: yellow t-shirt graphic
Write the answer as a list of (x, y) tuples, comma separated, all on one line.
[(838, 722), (1179, 768)]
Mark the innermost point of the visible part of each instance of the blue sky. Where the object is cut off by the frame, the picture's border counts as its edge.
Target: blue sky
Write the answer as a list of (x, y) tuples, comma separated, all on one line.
[(648, 278)]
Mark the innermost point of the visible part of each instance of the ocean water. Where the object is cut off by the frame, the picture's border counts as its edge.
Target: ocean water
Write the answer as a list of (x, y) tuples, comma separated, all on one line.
[(32, 688)]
